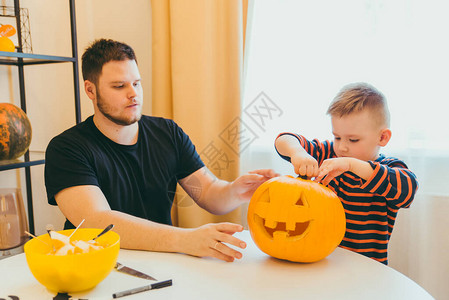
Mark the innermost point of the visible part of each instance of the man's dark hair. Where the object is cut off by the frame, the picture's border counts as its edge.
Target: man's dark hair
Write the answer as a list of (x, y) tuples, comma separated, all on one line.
[(101, 52)]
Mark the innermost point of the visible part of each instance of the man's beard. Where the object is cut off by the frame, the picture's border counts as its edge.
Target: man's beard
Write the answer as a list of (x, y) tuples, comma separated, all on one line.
[(103, 107)]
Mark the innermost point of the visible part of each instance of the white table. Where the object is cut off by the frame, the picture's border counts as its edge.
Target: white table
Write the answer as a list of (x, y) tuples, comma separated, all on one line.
[(342, 275)]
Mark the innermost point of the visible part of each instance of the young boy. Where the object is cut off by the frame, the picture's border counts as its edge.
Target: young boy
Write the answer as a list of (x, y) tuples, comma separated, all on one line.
[(371, 187)]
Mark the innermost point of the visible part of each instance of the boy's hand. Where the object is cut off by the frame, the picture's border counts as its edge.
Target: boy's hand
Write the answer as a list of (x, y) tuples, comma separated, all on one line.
[(331, 168), (304, 164)]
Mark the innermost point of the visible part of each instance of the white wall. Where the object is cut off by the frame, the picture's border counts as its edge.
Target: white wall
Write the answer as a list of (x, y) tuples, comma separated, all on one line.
[(49, 88), (419, 244)]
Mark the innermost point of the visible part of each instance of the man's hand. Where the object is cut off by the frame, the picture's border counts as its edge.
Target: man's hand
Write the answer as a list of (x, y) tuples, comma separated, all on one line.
[(210, 239), (304, 164), (245, 186)]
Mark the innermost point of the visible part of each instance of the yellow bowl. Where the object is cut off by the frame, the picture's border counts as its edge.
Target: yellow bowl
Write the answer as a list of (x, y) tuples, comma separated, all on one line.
[(72, 272)]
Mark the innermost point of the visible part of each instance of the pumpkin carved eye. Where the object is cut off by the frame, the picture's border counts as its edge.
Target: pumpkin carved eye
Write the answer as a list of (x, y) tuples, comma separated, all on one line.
[(296, 219), (282, 220)]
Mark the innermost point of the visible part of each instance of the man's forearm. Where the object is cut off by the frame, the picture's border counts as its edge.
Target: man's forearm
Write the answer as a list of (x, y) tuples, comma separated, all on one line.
[(219, 198), (141, 234), (137, 233)]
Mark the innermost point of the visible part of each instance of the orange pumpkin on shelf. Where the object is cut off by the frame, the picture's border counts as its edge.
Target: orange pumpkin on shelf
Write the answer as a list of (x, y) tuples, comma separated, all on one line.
[(295, 219), (15, 132), (6, 44), (7, 30)]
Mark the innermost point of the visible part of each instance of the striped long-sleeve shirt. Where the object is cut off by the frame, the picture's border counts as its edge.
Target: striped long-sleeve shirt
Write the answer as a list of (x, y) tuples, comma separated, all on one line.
[(370, 205)]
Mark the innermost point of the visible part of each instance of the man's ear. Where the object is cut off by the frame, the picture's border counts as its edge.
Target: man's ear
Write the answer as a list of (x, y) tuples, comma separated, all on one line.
[(385, 136), (90, 89)]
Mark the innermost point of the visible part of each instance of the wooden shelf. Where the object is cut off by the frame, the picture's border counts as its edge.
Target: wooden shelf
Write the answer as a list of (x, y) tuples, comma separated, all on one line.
[(36, 158), (18, 59)]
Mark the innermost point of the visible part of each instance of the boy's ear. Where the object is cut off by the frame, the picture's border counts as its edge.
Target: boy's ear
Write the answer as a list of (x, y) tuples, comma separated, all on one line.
[(385, 136), (90, 89)]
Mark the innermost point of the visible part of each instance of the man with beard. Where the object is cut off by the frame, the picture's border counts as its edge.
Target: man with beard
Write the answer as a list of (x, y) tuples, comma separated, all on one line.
[(121, 167)]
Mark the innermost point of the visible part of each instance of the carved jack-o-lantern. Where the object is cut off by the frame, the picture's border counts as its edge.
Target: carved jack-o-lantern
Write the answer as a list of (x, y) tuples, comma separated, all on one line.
[(296, 219)]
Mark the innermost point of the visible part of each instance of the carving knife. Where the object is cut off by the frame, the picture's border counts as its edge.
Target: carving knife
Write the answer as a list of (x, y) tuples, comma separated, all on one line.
[(130, 271)]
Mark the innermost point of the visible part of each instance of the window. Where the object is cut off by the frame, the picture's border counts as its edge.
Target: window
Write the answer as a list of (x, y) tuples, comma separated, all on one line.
[(300, 53)]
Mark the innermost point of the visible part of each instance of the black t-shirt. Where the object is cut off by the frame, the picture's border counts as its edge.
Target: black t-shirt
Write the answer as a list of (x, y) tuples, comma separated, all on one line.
[(139, 179)]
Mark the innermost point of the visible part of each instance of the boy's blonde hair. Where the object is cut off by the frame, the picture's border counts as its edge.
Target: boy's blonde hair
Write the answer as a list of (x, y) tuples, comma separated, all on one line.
[(356, 97)]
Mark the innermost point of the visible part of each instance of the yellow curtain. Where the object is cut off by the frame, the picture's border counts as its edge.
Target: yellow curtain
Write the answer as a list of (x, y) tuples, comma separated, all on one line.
[(197, 65)]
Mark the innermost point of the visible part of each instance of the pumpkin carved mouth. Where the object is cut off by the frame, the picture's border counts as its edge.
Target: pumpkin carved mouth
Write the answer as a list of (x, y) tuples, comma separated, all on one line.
[(280, 232)]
